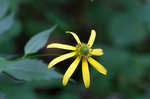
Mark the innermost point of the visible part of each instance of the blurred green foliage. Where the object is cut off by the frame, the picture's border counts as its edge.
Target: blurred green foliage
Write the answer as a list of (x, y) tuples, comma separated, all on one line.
[(123, 32)]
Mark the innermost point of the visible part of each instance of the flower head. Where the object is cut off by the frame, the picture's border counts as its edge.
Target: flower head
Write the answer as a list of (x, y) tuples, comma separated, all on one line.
[(82, 52)]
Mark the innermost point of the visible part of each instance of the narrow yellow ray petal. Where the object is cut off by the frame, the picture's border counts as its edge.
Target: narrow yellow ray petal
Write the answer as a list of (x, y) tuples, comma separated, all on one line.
[(75, 36), (92, 38), (97, 52), (70, 71), (61, 58), (61, 46), (85, 73), (97, 66)]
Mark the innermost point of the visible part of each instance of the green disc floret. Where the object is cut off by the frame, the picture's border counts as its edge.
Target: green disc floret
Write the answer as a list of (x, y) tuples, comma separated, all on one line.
[(84, 50)]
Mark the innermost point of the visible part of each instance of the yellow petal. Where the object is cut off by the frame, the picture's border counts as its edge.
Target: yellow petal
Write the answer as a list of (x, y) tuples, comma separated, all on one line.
[(85, 73), (61, 46), (75, 36), (97, 52), (61, 58), (92, 38), (97, 66), (70, 71)]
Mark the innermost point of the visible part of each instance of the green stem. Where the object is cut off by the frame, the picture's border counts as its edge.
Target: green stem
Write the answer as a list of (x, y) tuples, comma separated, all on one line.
[(35, 56), (40, 55)]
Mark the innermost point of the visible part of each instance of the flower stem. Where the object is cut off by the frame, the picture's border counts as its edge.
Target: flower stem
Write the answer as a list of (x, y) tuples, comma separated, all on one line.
[(39, 55), (34, 56)]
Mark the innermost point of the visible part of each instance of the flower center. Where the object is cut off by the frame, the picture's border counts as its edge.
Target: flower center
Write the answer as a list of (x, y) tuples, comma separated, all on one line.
[(84, 50)]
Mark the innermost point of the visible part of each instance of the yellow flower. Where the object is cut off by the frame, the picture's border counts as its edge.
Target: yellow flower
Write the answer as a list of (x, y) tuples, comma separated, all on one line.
[(82, 52)]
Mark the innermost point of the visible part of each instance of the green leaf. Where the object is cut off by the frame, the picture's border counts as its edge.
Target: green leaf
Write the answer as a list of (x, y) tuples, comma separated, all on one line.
[(3, 64), (4, 4), (17, 91), (29, 70), (6, 23), (20, 89), (7, 79), (124, 32), (38, 41)]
